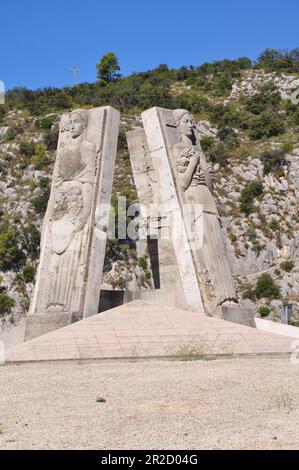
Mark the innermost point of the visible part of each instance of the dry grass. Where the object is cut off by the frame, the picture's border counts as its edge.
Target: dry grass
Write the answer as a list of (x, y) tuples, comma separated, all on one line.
[(202, 348)]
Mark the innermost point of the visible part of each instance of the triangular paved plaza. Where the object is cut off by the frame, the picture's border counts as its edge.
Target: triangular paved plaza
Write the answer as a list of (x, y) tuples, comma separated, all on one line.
[(141, 329)]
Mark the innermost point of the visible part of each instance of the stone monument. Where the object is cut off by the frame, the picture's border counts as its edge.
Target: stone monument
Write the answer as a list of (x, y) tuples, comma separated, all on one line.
[(74, 230), (166, 278), (184, 178)]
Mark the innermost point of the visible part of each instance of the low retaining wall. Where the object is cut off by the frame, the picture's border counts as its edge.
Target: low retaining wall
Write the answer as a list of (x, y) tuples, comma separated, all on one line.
[(14, 336), (278, 328)]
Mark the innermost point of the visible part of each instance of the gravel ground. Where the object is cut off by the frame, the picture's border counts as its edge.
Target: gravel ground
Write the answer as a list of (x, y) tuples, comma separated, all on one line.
[(246, 403)]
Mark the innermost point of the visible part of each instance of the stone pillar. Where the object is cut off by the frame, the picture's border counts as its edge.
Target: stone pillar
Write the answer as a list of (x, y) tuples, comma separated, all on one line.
[(186, 182), (165, 273), (74, 230)]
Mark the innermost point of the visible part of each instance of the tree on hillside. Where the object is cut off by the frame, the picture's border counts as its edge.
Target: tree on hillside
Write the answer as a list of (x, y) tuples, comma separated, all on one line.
[(268, 56), (273, 59), (107, 69)]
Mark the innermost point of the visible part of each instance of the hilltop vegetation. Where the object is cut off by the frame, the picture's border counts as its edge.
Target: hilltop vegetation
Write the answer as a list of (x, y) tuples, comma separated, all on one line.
[(142, 90)]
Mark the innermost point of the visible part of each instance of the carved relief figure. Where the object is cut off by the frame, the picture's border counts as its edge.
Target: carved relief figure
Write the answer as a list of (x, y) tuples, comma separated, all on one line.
[(195, 182), (69, 209), (68, 280)]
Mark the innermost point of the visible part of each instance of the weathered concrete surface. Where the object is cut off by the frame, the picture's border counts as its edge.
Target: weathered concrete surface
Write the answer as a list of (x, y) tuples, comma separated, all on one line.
[(236, 314), (278, 328), (14, 335), (38, 325), (73, 237)]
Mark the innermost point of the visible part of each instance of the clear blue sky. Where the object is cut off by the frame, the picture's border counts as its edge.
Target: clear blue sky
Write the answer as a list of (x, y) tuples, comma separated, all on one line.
[(42, 39)]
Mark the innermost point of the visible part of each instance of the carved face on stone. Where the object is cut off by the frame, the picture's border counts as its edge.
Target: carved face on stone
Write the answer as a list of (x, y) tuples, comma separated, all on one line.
[(77, 125), (186, 125)]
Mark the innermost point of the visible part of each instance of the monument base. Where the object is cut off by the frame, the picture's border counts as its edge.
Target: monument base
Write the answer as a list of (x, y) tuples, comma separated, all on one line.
[(38, 325), (237, 314), (165, 296)]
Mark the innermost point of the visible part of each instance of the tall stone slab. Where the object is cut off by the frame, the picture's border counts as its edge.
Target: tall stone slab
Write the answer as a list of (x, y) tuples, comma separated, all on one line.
[(185, 179), (168, 196), (166, 278), (74, 230)]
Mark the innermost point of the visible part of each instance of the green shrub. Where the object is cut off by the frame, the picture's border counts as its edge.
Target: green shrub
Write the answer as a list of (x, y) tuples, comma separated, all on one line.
[(287, 266), (11, 253), (273, 160), (40, 202), (2, 114), (191, 100), (41, 101), (251, 234), (11, 134), (31, 237), (219, 155), (27, 149), (249, 194), (276, 60), (228, 116), (142, 262), (45, 122), (229, 137), (232, 236), (255, 106), (274, 224), (206, 142), (266, 288), (124, 247), (122, 140), (29, 272), (248, 294), (266, 125), (267, 100), (222, 84), (293, 117), (6, 304), (3, 168), (287, 147), (264, 311), (40, 159)]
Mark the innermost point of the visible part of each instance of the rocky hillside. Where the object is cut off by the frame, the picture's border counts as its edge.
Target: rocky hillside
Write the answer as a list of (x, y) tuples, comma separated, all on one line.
[(250, 133)]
